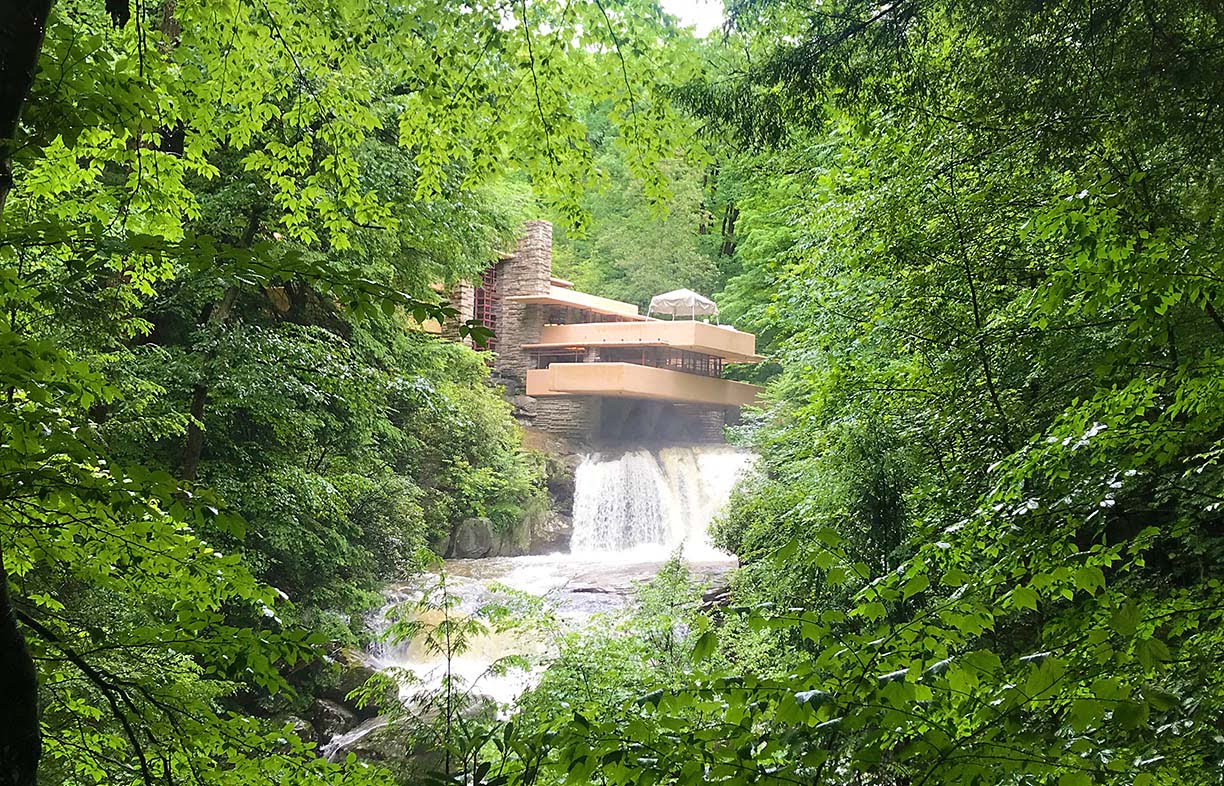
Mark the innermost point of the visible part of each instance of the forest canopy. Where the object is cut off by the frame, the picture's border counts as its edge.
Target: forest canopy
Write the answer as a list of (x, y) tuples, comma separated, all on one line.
[(224, 429), (981, 244)]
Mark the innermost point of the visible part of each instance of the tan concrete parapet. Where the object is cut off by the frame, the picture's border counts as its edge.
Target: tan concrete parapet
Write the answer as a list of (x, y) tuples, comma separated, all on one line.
[(572, 298), (632, 381), (731, 345)]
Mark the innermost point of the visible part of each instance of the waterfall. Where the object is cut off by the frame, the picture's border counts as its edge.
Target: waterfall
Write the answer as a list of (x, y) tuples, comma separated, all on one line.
[(658, 498), (630, 512)]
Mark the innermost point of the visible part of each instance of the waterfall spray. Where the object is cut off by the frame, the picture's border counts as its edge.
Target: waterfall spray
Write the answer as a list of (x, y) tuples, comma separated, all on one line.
[(664, 498), (630, 512)]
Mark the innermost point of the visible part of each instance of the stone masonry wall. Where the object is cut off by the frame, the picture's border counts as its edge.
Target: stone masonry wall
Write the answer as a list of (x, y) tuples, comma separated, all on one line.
[(462, 297), (572, 417), (585, 419), (526, 272), (705, 423)]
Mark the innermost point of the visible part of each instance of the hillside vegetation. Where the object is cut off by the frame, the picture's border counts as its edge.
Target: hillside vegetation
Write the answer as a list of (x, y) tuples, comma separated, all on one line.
[(982, 244)]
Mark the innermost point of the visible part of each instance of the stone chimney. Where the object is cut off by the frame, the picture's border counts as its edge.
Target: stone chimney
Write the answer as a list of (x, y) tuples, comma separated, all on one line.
[(528, 271)]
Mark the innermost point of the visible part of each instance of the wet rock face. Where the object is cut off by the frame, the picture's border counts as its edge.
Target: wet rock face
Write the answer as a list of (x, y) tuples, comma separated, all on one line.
[(560, 480), (549, 532), (392, 748), (303, 728), (541, 531), (472, 539), (476, 538), (408, 746), (355, 672), (330, 718)]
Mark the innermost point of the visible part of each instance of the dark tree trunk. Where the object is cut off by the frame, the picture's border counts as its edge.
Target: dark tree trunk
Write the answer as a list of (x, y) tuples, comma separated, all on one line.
[(20, 738), (728, 231), (22, 27), (194, 447)]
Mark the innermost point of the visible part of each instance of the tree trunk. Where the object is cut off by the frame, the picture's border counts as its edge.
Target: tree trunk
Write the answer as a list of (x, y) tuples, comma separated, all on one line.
[(194, 446), (22, 26), (728, 231), (20, 737), (218, 316)]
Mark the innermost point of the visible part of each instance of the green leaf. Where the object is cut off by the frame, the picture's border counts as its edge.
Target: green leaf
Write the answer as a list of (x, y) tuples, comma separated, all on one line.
[(914, 586), (955, 577), (1024, 598), (1086, 713), (1151, 652), (1125, 620), (1131, 714), (705, 645), (871, 611), (1089, 578), (1159, 699)]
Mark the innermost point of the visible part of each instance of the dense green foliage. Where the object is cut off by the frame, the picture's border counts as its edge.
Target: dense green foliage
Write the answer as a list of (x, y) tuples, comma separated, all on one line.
[(633, 248), (984, 242), (222, 425), (981, 241)]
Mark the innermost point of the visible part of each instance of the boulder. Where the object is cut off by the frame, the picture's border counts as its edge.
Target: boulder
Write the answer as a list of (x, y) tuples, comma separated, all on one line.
[(438, 544), (383, 743), (549, 532), (407, 747), (303, 728), (392, 746), (715, 597), (472, 539), (354, 672), (331, 718), (524, 406), (513, 543)]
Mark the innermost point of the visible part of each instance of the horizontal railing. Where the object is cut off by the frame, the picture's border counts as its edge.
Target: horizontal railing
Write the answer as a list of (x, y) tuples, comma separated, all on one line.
[(726, 343), (629, 380)]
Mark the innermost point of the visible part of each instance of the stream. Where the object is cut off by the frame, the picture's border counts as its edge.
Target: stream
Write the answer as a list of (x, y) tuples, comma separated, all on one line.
[(632, 512)]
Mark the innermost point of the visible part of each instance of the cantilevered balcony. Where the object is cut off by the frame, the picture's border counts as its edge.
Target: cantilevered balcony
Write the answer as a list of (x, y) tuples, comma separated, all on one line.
[(629, 380), (563, 297), (730, 345)]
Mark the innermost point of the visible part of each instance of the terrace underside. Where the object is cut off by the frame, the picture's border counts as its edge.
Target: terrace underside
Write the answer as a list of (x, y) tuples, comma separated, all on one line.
[(724, 343), (629, 380), (572, 300)]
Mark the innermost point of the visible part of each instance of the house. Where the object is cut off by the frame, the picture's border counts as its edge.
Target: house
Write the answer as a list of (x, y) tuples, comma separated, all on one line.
[(593, 369)]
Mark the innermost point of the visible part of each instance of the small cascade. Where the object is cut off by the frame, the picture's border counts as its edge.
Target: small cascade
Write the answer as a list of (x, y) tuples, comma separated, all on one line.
[(653, 498), (631, 512), (333, 749), (470, 667)]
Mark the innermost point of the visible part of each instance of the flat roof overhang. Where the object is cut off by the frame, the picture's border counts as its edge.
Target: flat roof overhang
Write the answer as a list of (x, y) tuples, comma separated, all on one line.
[(627, 380), (572, 298), (731, 345)]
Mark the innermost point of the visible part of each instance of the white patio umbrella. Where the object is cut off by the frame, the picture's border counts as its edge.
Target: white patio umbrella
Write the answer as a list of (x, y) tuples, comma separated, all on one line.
[(682, 303)]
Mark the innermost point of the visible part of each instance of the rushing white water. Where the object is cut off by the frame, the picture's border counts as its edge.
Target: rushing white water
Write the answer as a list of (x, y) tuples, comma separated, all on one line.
[(653, 498), (632, 511)]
